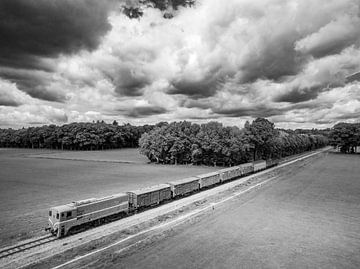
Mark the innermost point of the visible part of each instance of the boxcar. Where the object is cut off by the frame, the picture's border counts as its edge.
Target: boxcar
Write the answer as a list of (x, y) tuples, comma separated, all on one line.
[(209, 179), (230, 173), (272, 163), (149, 196), (184, 186), (246, 168), (259, 165)]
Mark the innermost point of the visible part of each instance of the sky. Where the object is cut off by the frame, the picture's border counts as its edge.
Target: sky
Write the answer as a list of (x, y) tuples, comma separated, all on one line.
[(295, 62)]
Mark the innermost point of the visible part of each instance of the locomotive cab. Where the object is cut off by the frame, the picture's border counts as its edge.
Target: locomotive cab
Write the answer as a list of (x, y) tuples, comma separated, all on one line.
[(59, 217)]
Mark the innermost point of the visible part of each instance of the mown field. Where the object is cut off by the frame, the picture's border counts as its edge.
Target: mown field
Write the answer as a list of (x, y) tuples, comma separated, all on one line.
[(31, 181), (308, 219), (127, 155)]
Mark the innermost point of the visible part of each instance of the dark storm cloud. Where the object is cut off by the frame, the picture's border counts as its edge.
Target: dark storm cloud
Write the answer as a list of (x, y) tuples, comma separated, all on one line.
[(33, 83), (143, 111), (4, 101), (332, 38), (128, 83), (277, 60), (195, 89), (299, 95), (256, 111), (353, 77), (31, 30), (45, 28), (329, 48)]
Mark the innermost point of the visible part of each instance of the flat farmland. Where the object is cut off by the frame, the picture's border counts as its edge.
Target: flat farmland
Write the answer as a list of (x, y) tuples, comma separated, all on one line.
[(31, 181), (307, 219), (116, 156)]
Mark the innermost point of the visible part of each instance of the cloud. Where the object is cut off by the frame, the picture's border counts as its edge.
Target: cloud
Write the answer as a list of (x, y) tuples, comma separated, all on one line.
[(47, 28), (34, 31), (143, 111), (11, 96), (252, 111), (195, 89), (246, 58), (35, 83), (26, 115), (333, 37), (317, 76), (129, 82), (299, 95), (353, 77)]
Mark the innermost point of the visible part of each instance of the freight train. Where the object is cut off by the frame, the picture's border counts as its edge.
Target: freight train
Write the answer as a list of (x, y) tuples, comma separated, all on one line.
[(76, 216)]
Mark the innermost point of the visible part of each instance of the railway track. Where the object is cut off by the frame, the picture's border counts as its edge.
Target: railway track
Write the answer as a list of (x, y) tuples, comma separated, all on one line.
[(9, 251)]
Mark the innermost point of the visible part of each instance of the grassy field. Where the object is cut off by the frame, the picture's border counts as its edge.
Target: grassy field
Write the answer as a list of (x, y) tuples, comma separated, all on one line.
[(117, 156), (31, 181), (308, 219)]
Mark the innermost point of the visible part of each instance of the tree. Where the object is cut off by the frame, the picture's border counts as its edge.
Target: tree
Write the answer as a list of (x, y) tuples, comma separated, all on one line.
[(345, 136), (262, 132)]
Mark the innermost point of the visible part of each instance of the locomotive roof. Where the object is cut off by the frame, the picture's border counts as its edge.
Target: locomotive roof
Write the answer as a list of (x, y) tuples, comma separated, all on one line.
[(259, 161), (63, 208), (183, 180), (95, 200), (150, 189), (73, 205)]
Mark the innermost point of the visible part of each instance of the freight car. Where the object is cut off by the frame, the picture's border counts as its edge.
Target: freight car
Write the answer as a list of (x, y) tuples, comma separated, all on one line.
[(209, 179), (230, 173), (149, 196), (272, 162), (259, 165), (65, 219), (246, 168), (184, 186)]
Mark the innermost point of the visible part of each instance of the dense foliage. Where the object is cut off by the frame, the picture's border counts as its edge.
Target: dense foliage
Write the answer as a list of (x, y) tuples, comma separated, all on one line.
[(213, 144), (345, 136), (74, 136)]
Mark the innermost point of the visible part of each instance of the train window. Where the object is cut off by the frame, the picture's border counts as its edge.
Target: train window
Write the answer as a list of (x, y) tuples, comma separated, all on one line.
[(68, 214), (62, 215), (57, 215), (49, 213)]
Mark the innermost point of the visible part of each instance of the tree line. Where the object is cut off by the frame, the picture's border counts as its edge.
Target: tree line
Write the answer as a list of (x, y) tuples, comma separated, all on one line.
[(346, 137), (214, 144), (75, 136), (177, 142)]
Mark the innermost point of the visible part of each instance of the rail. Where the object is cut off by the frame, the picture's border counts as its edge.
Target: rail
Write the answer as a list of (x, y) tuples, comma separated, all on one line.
[(9, 251)]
